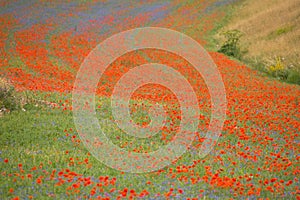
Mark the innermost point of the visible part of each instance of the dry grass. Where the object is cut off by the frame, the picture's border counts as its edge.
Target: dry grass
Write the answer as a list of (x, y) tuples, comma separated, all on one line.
[(10, 99), (7, 99), (271, 28), (4, 84)]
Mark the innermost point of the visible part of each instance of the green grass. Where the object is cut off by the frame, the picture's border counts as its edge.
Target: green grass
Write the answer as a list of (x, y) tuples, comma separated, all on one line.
[(40, 139), (213, 44), (43, 135), (279, 32)]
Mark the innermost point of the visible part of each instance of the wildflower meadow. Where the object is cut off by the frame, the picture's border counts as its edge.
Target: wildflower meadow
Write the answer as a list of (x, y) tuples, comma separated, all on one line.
[(47, 151)]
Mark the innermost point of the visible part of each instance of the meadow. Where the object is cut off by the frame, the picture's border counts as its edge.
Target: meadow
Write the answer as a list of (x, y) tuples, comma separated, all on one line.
[(42, 155)]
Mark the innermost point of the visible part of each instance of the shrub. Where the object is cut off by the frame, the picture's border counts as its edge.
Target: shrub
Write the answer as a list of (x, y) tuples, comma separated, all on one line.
[(231, 45), (277, 69), (9, 99)]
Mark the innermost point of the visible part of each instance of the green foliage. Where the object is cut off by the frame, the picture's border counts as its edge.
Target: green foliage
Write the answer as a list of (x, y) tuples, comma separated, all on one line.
[(231, 45), (293, 77), (280, 31), (278, 69), (9, 99)]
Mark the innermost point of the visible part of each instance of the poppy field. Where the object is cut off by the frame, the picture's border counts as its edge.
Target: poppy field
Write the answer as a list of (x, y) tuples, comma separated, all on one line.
[(42, 155)]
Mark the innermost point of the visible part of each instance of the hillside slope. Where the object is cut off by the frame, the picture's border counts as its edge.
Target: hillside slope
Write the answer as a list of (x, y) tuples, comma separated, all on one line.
[(271, 29)]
